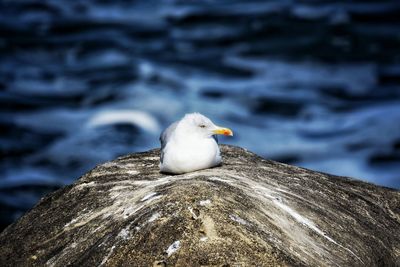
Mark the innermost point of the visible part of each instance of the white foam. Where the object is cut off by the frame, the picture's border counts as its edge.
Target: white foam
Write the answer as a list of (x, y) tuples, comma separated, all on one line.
[(135, 117)]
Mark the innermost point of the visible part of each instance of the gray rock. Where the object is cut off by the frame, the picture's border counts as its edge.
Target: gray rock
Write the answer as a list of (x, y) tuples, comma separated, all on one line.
[(248, 212)]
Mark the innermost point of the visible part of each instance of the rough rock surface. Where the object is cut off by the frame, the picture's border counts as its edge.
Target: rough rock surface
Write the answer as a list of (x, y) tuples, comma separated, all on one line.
[(248, 212)]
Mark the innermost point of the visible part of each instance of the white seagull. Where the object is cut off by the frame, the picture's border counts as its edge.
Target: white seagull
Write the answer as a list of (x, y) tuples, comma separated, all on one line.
[(190, 144)]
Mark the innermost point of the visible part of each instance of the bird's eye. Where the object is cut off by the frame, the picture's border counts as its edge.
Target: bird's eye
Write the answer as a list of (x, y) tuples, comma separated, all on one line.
[(202, 126)]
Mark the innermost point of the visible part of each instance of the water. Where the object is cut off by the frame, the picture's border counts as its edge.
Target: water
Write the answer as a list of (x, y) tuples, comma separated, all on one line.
[(310, 83)]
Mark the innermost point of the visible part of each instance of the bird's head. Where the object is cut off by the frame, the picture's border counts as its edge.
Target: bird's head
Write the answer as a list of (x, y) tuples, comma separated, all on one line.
[(198, 124)]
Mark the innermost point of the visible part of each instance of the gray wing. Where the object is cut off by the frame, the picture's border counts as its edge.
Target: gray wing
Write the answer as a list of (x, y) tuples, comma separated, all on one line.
[(165, 136)]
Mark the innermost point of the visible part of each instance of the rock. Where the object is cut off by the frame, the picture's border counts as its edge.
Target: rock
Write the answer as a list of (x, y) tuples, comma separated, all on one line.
[(248, 212)]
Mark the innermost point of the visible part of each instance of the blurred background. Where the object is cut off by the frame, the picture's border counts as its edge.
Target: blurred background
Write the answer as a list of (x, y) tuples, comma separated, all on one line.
[(311, 83)]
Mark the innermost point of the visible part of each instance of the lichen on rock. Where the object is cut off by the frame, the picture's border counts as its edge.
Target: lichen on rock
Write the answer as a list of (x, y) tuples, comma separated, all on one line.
[(247, 212)]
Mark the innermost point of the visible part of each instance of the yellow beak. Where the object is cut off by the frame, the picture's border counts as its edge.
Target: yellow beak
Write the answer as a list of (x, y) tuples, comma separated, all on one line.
[(223, 131)]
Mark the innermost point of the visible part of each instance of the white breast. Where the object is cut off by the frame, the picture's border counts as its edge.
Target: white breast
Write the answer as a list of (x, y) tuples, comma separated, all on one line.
[(188, 154)]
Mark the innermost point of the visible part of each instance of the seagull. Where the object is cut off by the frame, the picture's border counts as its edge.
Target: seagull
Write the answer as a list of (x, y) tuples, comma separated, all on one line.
[(190, 144)]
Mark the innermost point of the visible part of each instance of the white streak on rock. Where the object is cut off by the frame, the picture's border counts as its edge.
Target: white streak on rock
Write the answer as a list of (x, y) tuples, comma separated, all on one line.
[(73, 221), (146, 197), (173, 248), (237, 219), (205, 202), (108, 165), (124, 233), (150, 197), (131, 210), (192, 212), (122, 187), (152, 158), (106, 257), (310, 225), (84, 185), (132, 172), (278, 201), (154, 217), (220, 180), (98, 228), (153, 183), (154, 198)]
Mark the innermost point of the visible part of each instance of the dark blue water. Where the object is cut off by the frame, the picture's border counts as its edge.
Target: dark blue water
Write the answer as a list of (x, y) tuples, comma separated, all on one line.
[(310, 83)]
